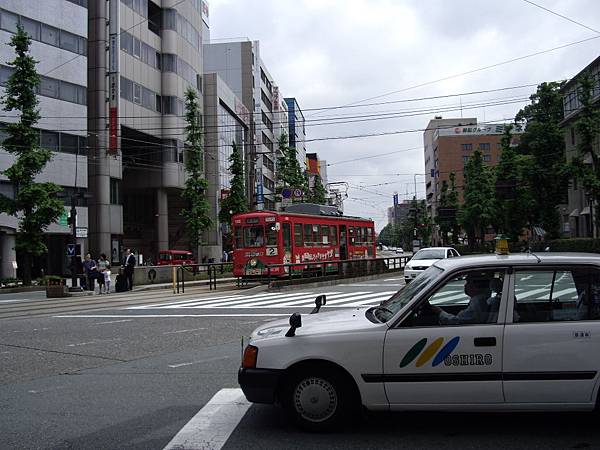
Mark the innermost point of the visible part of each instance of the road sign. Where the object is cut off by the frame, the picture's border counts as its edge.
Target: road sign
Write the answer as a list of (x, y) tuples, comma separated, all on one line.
[(64, 219), (286, 193), (81, 232), (297, 193), (71, 248)]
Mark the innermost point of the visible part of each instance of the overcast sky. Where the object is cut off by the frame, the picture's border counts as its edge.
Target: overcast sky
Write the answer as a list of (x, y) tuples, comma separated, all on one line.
[(333, 53)]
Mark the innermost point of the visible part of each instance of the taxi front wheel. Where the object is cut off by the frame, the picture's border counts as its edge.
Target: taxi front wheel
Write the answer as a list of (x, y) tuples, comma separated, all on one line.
[(318, 399)]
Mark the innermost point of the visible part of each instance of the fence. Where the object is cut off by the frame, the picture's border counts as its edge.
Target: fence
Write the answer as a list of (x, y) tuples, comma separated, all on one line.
[(212, 272)]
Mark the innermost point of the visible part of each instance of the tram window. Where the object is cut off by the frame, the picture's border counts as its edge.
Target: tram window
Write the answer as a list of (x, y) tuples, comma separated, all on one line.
[(333, 234), (325, 235), (298, 241), (239, 242), (352, 232), (254, 236), (316, 235), (308, 235), (271, 234), (363, 235), (369, 235)]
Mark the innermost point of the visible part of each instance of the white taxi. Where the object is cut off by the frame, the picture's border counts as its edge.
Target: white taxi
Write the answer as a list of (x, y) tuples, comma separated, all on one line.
[(516, 332)]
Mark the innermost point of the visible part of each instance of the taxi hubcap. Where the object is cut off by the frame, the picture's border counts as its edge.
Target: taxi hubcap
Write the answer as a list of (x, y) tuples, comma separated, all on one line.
[(315, 399)]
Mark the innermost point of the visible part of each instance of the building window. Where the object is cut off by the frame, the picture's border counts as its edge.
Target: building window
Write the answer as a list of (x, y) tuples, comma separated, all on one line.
[(487, 158), (115, 191), (467, 147), (266, 121), (68, 41), (267, 142), (50, 35), (484, 146), (31, 27), (465, 159)]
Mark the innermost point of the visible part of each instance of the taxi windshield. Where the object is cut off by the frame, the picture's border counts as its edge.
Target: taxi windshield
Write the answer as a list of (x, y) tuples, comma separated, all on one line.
[(430, 253), (401, 298)]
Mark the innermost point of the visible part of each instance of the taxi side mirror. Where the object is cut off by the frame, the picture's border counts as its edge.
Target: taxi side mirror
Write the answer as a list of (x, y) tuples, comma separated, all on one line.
[(295, 322), (321, 300)]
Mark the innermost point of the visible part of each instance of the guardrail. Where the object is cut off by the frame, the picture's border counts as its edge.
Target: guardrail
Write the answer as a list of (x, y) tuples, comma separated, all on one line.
[(212, 270), (348, 268)]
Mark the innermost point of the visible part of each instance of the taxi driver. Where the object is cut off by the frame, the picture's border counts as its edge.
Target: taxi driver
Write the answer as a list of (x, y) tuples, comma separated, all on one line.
[(479, 290)]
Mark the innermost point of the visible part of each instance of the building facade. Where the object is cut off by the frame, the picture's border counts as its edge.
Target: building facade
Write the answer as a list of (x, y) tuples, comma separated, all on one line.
[(239, 65), (58, 29), (138, 174), (226, 122), (578, 214)]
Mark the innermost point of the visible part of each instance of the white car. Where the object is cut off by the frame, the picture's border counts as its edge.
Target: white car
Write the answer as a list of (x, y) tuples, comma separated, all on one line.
[(399, 250), (479, 333), (424, 258)]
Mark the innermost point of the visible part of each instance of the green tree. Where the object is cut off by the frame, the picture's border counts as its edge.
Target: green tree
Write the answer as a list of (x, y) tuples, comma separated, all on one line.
[(586, 166), (478, 208), (197, 211), (35, 204), (546, 175), (514, 201), (289, 172), (236, 202), (318, 193), (386, 235)]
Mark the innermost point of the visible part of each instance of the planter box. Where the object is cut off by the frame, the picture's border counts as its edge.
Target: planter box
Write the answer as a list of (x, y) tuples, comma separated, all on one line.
[(57, 291)]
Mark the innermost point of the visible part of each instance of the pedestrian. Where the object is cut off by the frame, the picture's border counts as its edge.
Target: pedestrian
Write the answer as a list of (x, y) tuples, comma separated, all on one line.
[(104, 268), (91, 271), (128, 265), (225, 256)]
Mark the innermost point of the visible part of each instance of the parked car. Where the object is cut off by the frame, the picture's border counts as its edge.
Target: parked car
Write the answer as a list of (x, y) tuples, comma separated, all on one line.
[(424, 258), (175, 257), (399, 250), (479, 333)]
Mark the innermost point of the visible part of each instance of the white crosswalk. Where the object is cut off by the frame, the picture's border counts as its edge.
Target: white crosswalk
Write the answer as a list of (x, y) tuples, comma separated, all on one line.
[(276, 300)]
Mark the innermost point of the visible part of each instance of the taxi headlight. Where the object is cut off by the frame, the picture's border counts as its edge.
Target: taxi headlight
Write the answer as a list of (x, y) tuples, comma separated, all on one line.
[(250, 355)]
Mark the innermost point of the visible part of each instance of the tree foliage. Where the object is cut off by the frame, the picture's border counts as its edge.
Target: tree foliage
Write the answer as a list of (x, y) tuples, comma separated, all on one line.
[(478, 208), (236, 202), (514, 206), (289, 172), (448, 201), (35, 204), (546, 175), (197, 211), (318, 193)]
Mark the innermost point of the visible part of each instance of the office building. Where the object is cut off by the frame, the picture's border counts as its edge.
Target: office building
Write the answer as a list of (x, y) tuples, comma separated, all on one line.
[(578, 214), (297, 130), (448, 145), (58, 29), (240, 66), (138, 172), (226, 121)]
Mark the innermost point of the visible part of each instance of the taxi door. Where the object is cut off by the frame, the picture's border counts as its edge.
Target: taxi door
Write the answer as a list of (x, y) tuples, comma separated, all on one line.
[(552, 345), (448, 350)]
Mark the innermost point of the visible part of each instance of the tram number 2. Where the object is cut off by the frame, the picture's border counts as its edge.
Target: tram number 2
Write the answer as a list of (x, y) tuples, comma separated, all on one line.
[(271, 251)]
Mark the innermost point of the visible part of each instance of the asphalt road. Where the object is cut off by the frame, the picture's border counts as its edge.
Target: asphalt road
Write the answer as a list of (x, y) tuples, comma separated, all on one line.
[(131, 371)]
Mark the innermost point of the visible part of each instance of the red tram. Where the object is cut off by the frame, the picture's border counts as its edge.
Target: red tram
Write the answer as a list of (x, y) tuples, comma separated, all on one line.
[(303, 233)]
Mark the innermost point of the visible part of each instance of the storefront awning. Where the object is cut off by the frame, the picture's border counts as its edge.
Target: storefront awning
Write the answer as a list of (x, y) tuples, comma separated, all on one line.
[(585, 211), (574, 213)]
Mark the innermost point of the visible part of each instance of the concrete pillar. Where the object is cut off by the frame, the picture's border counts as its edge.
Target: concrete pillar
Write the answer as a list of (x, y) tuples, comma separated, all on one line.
[(162, 224), (99, 174), (8, 256)]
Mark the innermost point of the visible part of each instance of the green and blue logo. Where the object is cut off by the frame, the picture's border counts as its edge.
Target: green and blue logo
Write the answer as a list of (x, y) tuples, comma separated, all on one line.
[(426, 353)]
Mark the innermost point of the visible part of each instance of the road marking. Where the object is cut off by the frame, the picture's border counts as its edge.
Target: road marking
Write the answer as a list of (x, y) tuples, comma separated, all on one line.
[(211, 427), (184, 331), (16, 300), (95, 341), (218, 358), (112, 321), (155, 316)]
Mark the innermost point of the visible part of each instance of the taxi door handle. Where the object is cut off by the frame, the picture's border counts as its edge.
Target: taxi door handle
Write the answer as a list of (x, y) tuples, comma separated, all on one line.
[(484, 341)]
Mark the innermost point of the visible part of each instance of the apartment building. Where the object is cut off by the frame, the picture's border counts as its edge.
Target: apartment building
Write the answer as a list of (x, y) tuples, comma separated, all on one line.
[(226, 121), (155, 55), (58, 29), (578, 214), (240, 66)]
